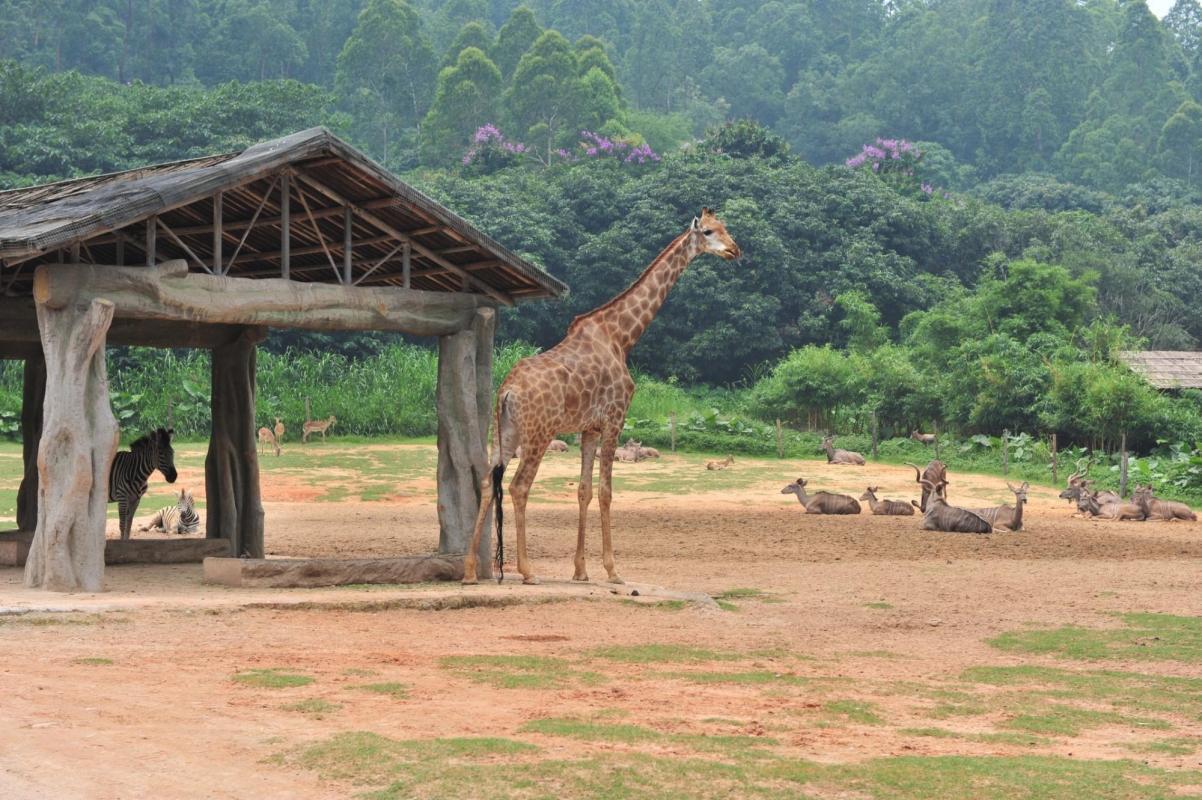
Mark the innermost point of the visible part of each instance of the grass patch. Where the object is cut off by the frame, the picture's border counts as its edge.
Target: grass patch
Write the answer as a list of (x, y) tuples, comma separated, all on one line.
[(271, 679), (93, 662), (638, 734), (662, 605), (662, 654), (313, 707), (854, 710), (881, 604), (752, 678), (1145, 637), (1064, 720), (357, 672), (1178, 746), (519, 672), (397, 691), (52, 620)]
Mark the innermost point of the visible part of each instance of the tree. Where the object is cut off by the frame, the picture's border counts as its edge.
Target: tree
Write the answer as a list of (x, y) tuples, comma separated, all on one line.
[(389, 57), (473, 34), (466, 98), (1184, 20), (750, 79), (517, 35), (544, 96), (1180, 142)]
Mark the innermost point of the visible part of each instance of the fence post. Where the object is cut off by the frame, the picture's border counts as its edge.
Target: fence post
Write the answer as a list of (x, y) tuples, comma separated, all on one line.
[(672, 429), (876, 434), (308, 411), (780, 443), (1123, 467), (1055, 479), (937, 441), (1005, 452)]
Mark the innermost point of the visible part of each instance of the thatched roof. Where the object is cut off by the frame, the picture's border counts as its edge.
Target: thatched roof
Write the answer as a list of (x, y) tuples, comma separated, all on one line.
[(1167, 369), (108, 218)]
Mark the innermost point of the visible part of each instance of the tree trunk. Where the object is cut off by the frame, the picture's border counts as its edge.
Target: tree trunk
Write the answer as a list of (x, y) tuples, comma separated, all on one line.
[(32, 397), (234, 509), (464, 399), (78, 442)]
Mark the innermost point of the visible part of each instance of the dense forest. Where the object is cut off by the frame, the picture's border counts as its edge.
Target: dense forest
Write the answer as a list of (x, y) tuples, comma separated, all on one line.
[(952, 210)]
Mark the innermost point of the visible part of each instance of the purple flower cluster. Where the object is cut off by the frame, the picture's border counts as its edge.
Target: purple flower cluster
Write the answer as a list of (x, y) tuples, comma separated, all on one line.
[(883, 150), (595, 145), (489, 143), (488, 138)]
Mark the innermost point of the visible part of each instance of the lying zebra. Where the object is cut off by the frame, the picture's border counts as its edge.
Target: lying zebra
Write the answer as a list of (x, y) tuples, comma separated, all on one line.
[(127, 476), (179, 518)]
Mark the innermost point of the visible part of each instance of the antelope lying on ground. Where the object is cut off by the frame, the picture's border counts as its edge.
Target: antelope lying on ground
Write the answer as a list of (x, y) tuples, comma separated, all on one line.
[(822, 502), (1005, 516), (834, 456), (317, 426), (723, 464), (648, 452), (925, 438), (939, 516), (1155, 508), (935, 474), (630, 452), (1078, 488), (1093, 505), (889, 508), (557, 446), (267, 437)]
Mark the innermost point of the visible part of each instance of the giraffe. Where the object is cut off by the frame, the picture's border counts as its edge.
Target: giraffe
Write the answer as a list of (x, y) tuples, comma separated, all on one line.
[(582, 385)]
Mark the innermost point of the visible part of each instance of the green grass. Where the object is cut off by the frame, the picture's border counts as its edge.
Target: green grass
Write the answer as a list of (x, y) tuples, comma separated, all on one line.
[(271, 679), (637, 734), (520, 672), (1144, 637), (881, 605), (313, 707), (661, 654), (93, 662), (1057, 719), (397, 691), (856, 711), (1177, 746), (752, 678)]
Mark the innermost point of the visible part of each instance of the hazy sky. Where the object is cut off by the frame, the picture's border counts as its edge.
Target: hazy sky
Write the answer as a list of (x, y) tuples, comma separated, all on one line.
[(1160, 7)]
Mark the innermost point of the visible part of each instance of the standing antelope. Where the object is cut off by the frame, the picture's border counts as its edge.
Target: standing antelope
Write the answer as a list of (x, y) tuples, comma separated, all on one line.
[(1005, 516), (925, 438), (834, 456), (822, 502), (317, 426), (935, 474), (127, 477), (279, 430), (1155, 508), (886, 508), (939, 516), (267, 437), (723, 464)]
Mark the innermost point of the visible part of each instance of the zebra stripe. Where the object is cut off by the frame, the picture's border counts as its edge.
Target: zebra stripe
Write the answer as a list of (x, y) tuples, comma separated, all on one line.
[(131, 469), (179, 518)]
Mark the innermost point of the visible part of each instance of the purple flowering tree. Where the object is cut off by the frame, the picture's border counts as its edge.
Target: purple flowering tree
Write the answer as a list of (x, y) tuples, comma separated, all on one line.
[(895, 160), (490, 150)]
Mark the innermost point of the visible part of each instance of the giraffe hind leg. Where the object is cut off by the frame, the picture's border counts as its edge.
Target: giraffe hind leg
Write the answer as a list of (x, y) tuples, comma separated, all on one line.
[(608, 449), (519, 490), (584, 494)]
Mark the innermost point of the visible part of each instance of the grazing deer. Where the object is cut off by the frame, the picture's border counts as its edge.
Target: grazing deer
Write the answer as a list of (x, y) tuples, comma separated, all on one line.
[(925, 438), (648, 452), (939, 516), (1093, 505), (317, 426), (723, 464), (279, 430), (1155, 508), (1005, 516), (267, 437), (834, 456), (934, 474), (886, 508), (822, 502)]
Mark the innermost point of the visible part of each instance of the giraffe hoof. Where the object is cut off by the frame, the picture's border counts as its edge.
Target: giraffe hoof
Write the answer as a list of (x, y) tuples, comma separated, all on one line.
[(530, 580), (582, 578), (470, 581), (615, 578)]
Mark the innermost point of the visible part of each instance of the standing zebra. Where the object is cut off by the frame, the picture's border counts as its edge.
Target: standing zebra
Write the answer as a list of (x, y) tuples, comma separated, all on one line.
[(179, 518), (127, 478)]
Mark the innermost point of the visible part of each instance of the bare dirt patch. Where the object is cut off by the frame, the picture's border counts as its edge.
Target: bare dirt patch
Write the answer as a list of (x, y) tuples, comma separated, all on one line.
[(843, 640)]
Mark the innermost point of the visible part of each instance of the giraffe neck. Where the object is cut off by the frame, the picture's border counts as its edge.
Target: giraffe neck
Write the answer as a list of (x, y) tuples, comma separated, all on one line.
[(625, 317)]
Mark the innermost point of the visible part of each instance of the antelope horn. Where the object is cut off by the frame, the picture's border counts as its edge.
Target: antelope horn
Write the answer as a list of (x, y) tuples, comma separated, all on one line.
[(917, 471)]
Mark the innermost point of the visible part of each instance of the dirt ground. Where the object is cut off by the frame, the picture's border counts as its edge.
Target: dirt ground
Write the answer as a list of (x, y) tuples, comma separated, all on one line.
[(132, 694)]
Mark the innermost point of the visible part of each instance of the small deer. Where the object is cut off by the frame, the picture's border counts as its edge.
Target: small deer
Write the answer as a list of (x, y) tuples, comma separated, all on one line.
[(925, 438), (717, 465), (1005, 516), (631, 452), (822, 502), (935, 474), (648, 452), (267, 437), (279, 430), (939, 516), (834, 456), (317, 426), (886, 508), (557, 446), (1155, 508)]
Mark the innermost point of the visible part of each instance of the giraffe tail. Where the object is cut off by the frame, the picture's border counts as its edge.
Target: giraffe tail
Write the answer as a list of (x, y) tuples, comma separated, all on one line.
[(498, 472)]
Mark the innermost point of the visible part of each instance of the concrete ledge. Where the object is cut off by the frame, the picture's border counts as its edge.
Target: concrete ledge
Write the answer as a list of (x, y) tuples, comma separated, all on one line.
[(14, 549), (314, 572)]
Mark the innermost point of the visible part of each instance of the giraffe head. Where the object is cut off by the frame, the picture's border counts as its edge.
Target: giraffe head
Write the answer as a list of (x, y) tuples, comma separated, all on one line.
[(714, 236)]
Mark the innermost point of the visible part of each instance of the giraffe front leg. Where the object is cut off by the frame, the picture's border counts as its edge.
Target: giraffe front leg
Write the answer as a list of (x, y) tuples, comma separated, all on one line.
[(608, 448), (584, 493), (520, 491)]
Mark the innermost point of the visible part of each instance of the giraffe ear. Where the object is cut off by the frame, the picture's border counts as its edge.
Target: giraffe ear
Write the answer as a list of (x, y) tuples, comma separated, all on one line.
[(696, 224)]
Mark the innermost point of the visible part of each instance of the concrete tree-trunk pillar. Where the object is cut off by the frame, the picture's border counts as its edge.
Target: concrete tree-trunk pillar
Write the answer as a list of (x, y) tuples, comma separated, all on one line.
[(464, 399), (78, 442), (33, 396), (234, 508)]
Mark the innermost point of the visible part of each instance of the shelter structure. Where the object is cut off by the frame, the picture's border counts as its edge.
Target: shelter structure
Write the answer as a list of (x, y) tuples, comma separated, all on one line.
[(1166, 369), (299, 232)]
